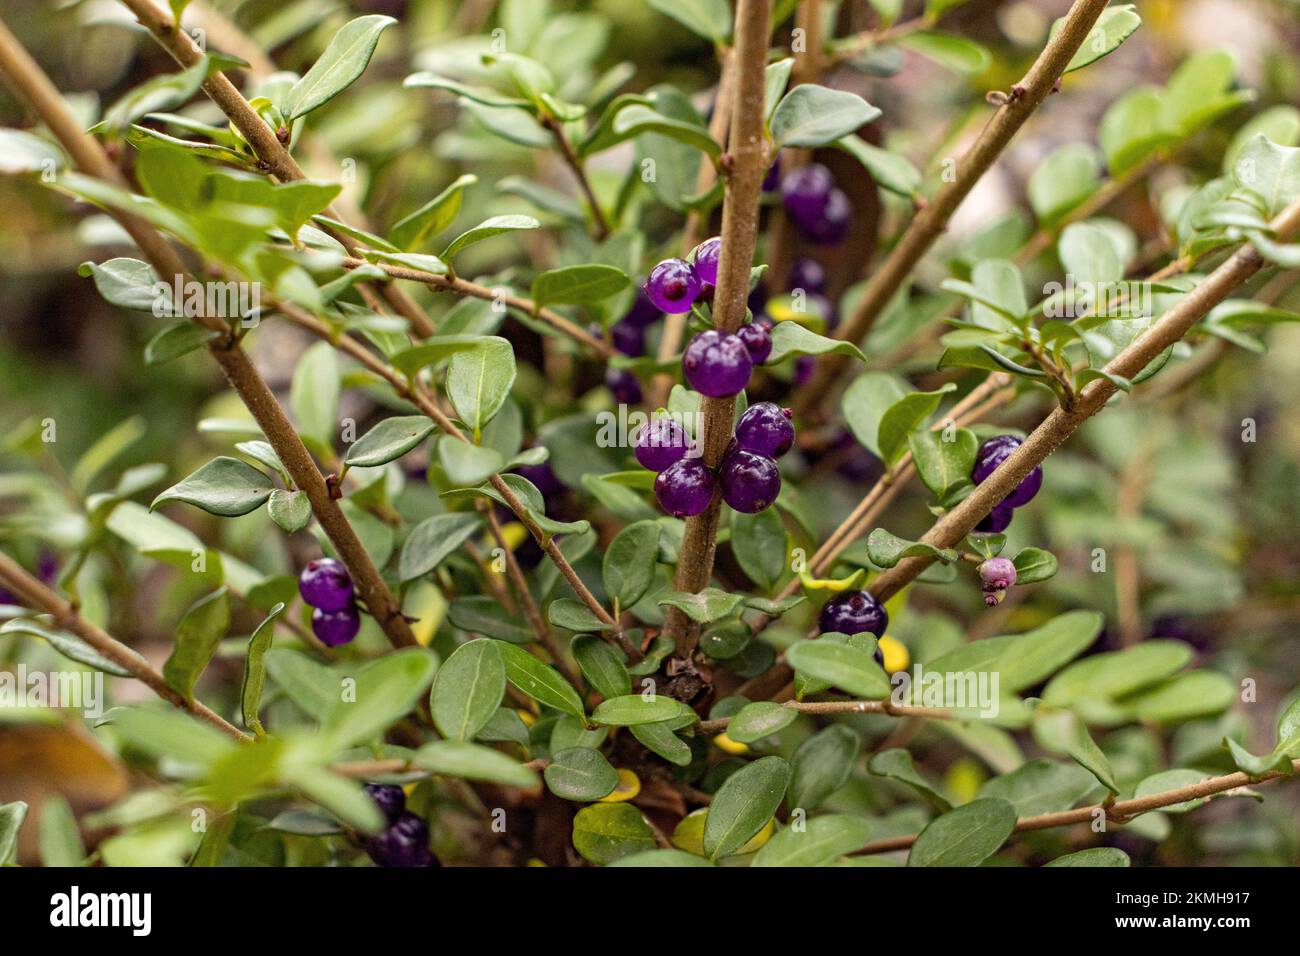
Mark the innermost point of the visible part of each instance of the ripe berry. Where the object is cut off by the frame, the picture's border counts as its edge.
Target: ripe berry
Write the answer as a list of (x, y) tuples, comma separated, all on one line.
[(543, 477), (832, 226), (804, 365), (390, 799), (717, 364), (624, 385), (750, 482), (758, 341), (772, 179), (765, 429), (993, 453), (326, 584), (628, 338), (7, 597), (405, 844), (996, 520), (685, 489), (673, 286), (707, 254), (996, 575), (643, 311), (805, 191), (807, 274), (661, 443), (852, 613), (335, 628)]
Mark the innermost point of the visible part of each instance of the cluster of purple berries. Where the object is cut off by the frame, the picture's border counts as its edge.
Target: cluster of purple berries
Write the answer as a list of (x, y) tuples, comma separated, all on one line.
[(748, 476), (990, 455), (818, 208), (406, 840), (326, 585)]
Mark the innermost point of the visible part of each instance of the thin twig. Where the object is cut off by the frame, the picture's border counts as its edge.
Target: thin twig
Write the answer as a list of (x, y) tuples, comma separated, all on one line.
[(580, 173)]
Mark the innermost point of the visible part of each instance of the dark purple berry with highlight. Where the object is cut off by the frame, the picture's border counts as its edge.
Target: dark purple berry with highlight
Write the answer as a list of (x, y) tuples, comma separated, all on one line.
[(673, 286), (326, 584), (750, 482), (832, 226), (628, 338), (997, 520), (624, 385), (336, 628), (706, 256), (685, 488), (805, 191), (717, 364), (758, 341), (993, 453), (643, 311), (765, 429), (390, 799), (404, 844), (852, 613), (660, 444)]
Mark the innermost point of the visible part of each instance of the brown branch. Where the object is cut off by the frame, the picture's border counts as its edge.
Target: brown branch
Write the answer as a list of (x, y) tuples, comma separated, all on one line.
[(1119, 812), (34, 594), (841, 707), (32, 84), (580, 173), (932, 220), (747, 152)]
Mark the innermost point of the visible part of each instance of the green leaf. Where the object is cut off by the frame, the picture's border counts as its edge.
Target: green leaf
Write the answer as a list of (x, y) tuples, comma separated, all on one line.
[(1174, 779), (601, 665), (580, 773), (966, 836), (176, 340), (23, 152), (631, 561), (1041, 786), (539, 681), (389, 440), (163, 92), (12, 816), (891, 171), (659, 738), (661, 858), (953, 52), (812, 115), (468, 689), (386, 690), (313, 687), (710, 19), (637, 119), (707, 606), (1094, 856), (1063, 731), (69, 645), (1088, 254), (743, 805), (468, 464), (314, 396), (433, 541), (1274, 762), (820, 842), (633, 709), (849, 668), (755, 721), (904, 417), (886, 550), (165, 732), (196, 640), (290, 510), (411, 360), (479, 381), (340, 796), (864, 404), (129, 284), (790, 338), (578, 285), (344, 60), (1034, 564), (822, 764), (1194, 694), (225, 486), (1269, 171), (604, 832), (60, 838), (250, 691), (1116, 673), (758, 544), (897, 765), (1036, 655), (496, 226), (1068, 176), (410, 232), (572, 615), (1114, 26), (943, 464), (458, 758)]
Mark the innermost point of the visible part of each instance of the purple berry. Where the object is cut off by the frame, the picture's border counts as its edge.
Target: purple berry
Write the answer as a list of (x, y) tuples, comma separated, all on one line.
[(661, 443), (807, 274), (543, 478), (47, 566), (685, 489), (7, 597), (749, 482), (624, 385), (326, 584), (765, 429), (717, 364), (706, 257), (996, 575), (852, 613), (997, 520), (773, 177), (805, 191), (758, 341), (832, 226), (390, 799), (643, 311), (628, 338), (335, 628), (672, 286), (803, 369), (992, 454), (404, 844)]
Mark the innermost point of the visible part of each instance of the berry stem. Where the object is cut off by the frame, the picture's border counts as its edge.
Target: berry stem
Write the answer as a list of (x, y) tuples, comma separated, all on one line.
[(747, 144), (932, 220)]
